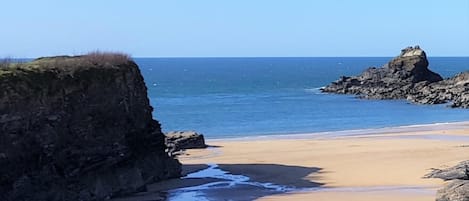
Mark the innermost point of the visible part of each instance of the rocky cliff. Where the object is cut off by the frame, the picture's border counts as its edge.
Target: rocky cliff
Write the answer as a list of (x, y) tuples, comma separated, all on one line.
[(78, 128), (406, 77)]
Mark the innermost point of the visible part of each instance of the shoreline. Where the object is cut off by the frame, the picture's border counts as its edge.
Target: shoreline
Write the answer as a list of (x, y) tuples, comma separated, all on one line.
[(349, 133), (367, 164), (360, 165)]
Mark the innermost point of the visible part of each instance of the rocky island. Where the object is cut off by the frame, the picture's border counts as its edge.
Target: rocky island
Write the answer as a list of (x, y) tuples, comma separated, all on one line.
[(406, 77), (78, 128)]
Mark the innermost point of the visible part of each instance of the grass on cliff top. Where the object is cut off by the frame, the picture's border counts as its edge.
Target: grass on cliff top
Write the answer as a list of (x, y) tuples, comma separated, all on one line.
[(95, 58), (92, 59), (7, 65)]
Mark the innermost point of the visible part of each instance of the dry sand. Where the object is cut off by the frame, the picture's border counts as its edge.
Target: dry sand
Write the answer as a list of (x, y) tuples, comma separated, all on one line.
[(380, 165)]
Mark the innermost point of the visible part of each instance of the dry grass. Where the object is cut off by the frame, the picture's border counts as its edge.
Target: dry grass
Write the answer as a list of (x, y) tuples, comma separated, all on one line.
[(8, 62), (95, 58), (5, 62), (98, 57)]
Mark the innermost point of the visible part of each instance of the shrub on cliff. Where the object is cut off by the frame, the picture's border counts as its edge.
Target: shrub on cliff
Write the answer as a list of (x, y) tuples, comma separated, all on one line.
[(5, 62), (98, 57), (8, 62)]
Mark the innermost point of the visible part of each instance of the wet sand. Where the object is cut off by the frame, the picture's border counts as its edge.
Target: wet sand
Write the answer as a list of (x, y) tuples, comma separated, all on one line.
[(382, 164)]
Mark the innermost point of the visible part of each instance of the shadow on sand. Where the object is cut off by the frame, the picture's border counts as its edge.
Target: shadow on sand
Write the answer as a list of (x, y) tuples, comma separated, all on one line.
[(230, 182)]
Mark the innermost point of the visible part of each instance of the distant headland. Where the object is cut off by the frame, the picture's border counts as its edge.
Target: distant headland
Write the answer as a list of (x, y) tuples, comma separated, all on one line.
[(406, 77)]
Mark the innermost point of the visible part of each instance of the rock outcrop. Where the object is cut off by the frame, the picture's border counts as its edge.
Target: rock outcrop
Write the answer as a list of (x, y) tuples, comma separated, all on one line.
[(457, 188), (406, 77), (454, 90), (181, 140), (460, 171), (78, 128)]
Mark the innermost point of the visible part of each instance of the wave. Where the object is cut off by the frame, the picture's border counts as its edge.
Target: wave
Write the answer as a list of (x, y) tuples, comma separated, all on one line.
[(315, 90)]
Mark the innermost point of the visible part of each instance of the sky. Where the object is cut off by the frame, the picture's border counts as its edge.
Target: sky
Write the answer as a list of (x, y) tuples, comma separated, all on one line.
[(237, 28)]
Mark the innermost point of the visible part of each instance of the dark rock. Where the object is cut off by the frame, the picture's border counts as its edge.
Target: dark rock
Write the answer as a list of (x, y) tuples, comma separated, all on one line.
[(78, 128), (406, 77), (181, 140), (460, 171), (412, 66), (457, 188)]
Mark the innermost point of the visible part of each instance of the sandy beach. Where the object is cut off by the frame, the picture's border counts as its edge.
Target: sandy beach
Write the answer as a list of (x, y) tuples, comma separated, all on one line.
[(389, 165), (365, 165)]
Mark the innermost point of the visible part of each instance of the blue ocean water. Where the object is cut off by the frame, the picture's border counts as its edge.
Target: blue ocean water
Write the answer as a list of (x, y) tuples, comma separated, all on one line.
[(236, 97)]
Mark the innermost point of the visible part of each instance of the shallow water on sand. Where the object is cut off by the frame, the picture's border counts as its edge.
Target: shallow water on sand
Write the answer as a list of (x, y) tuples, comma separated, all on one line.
[(229, 181), (246, 189)]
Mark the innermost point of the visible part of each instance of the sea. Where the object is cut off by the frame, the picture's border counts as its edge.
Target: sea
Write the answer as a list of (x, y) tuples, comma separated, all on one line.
[(243, 97)]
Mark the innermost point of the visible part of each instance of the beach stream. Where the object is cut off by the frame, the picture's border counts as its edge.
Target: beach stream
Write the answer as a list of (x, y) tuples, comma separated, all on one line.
[(241, 187), (228, 181)]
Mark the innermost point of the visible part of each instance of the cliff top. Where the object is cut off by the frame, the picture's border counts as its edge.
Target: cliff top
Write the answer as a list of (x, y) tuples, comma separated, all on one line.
[(66, 63), (412, 51)]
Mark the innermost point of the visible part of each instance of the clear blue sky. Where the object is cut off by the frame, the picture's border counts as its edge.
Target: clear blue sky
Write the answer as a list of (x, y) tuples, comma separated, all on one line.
[(218, 28)]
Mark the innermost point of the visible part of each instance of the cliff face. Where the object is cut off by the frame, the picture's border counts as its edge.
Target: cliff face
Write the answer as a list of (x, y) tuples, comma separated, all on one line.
[(78, 128), (406, 77)]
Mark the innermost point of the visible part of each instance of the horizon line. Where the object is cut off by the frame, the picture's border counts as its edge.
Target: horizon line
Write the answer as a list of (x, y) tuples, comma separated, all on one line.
[(235, 57)]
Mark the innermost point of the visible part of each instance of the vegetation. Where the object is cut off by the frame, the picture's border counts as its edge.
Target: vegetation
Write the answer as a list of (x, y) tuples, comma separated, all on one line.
[(5, 62), (98, 57), (69, 64)]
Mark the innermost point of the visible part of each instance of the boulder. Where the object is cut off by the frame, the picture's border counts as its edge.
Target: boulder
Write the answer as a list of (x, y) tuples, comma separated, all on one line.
[(456, 190), (460, 171), (78, 128), (181, 140), (457, 187)]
